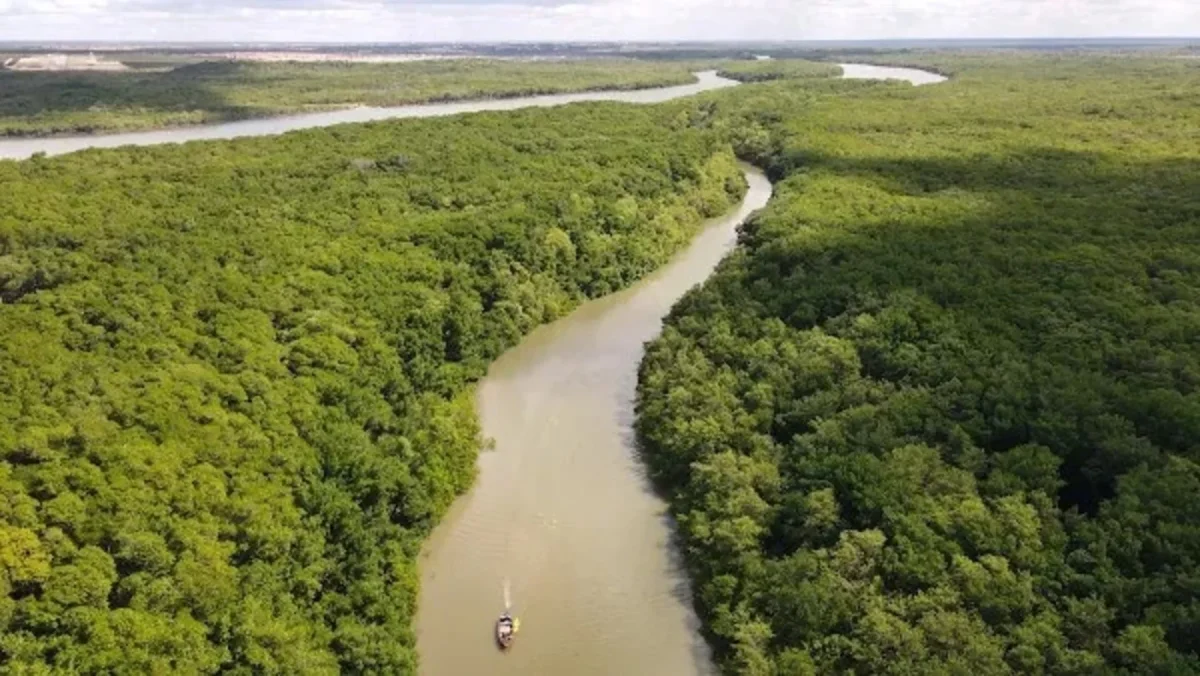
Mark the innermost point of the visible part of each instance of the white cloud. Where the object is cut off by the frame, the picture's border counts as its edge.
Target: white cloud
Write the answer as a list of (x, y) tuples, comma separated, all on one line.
[(484, 20)]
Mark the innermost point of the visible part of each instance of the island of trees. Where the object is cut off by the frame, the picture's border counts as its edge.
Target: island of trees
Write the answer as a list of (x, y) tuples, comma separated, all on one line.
[(778, 69), (938, 413)]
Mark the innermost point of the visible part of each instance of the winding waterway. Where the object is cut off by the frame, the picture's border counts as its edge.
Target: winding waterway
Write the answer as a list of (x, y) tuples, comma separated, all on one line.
[(562, 516), (21, 148), (561, 508), (561, 519)]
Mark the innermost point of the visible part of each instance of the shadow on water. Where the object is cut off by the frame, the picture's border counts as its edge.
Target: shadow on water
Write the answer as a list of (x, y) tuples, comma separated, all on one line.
[(676, 563), (681, 590)]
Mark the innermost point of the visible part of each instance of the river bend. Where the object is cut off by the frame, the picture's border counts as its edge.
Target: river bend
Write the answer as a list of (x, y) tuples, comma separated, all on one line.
[(21, 148)]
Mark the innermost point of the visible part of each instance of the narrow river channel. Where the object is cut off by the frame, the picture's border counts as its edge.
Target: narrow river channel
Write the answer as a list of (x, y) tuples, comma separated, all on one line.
[(562, 522), (561, 509)]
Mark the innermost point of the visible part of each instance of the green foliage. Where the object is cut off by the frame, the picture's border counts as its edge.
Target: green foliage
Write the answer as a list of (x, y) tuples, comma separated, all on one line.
[(778, 69), (236, 377), (937, 414), (216, 91)]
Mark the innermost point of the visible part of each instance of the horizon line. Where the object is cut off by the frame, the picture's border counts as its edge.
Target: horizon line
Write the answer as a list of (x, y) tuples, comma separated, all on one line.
[(664, 41)]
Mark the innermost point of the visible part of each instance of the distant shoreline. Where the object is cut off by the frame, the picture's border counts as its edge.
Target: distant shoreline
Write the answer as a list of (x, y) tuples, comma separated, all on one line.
[(63, 62)]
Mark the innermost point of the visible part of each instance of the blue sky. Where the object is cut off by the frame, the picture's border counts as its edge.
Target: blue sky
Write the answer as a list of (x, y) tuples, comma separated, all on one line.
[(486, 20)]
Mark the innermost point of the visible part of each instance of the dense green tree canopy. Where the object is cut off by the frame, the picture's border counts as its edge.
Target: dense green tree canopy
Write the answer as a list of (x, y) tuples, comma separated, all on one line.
[(235, 377), (939, 412)]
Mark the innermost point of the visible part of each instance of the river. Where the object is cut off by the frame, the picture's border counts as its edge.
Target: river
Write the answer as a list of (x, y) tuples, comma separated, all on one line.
[(860, 71), (561, 518), (561, 508), (21, 148)]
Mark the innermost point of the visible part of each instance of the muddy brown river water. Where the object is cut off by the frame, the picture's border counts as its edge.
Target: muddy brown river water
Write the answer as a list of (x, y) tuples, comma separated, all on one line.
[(561, 509)]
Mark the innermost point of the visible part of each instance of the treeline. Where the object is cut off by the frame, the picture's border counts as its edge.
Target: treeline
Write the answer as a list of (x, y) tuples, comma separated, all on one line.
[(778, 69), (44, 103), (939, 412), (235, 377)]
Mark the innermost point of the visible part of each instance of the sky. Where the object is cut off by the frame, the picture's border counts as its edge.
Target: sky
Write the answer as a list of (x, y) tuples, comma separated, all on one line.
[(564, 20)]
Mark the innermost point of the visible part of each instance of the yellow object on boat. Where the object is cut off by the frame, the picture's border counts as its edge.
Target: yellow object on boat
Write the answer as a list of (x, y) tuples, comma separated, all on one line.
[(516, 624)]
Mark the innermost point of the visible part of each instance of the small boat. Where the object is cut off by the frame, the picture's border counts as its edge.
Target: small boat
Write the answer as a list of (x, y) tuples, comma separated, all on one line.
[(506, 630)]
